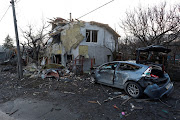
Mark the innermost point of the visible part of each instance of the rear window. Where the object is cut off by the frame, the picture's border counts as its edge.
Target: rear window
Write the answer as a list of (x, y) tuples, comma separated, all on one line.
[(126, 66)]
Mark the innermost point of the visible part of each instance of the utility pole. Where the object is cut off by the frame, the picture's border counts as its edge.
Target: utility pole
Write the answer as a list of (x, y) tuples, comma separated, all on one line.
[(20, 73)]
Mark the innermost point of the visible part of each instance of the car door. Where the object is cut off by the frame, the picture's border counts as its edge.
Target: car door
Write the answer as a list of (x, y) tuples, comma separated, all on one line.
[(105, 73), (124, 72)]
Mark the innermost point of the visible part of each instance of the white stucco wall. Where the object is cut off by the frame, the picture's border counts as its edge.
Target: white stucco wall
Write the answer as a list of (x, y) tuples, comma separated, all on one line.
[(97, 50), (105, 38)]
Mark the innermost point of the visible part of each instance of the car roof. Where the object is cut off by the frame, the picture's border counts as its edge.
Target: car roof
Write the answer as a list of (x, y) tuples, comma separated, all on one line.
[(130, 62)]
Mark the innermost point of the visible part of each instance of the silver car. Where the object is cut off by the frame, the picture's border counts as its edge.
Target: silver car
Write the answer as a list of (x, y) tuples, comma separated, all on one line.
[(135, 79)]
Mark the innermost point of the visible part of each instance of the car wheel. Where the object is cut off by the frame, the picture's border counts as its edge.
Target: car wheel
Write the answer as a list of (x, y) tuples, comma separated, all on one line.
[(134, 89)]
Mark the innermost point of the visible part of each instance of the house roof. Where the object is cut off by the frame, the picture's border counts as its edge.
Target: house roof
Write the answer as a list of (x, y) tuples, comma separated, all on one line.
[(58, 20), (105, 26)]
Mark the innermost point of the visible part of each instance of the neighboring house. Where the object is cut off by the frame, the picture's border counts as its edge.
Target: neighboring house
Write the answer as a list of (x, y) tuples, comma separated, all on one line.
[(2, 53), (87, 44)]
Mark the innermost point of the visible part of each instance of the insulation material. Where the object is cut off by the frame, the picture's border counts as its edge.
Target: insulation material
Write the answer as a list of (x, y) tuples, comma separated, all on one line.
[(83, 50), (56, 49), (59, 52), (72, 37)]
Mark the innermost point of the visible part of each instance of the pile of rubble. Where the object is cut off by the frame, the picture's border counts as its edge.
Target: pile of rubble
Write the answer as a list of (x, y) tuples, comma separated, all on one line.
[(56, 71)]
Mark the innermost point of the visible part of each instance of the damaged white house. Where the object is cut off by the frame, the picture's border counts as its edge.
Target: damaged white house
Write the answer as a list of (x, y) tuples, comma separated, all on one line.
[(85, 44)]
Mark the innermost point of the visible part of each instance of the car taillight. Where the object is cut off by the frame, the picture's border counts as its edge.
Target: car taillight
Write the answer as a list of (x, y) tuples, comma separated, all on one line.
[(147, 73), (154, 76)]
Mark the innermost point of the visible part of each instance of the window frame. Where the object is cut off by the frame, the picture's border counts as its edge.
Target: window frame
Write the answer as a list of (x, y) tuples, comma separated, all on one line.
[(91, 36)]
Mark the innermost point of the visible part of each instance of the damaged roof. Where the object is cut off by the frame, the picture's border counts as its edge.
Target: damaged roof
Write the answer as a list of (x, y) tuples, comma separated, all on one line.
[(58, 29), (105, 26), (58, 20)]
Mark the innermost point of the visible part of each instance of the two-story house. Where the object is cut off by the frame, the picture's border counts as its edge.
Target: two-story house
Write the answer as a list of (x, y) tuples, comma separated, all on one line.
[(86, 44)]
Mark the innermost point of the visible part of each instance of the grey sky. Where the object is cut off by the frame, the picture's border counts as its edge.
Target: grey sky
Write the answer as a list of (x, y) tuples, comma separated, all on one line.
[(33, 11)]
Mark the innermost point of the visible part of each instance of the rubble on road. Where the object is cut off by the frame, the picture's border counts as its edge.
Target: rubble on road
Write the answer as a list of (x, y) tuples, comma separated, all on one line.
[(79, 94)]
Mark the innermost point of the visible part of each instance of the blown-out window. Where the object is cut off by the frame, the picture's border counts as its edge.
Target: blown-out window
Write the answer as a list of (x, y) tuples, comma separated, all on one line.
[(126, 66), (91, 35), (109, 66)]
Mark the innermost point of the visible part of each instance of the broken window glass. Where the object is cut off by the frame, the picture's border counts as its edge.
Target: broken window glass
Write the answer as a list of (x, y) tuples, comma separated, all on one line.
[(57, 38), (94, 35), (91, 35), (88, 35), (125, 66), (109, 66)]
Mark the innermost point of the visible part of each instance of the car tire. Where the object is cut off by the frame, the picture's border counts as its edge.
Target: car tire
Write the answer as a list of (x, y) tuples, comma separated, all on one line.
[(134, 89)]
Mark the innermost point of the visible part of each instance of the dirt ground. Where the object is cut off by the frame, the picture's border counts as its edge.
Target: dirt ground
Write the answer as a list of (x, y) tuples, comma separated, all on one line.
[(87, 99)]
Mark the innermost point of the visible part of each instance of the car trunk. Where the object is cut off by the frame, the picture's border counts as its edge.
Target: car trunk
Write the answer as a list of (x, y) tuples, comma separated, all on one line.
[(158, 75), (153, 54), (157, 71)]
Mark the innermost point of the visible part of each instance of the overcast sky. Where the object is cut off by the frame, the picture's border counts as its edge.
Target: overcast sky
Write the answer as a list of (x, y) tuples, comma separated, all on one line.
[(33, 11)]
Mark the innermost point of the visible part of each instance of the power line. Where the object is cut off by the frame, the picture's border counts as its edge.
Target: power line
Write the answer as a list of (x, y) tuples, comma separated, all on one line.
[(5, 13), (96, 9), (17, 1)]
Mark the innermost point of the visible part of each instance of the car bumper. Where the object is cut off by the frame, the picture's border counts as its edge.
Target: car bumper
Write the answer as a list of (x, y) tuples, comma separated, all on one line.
[(155, 92)]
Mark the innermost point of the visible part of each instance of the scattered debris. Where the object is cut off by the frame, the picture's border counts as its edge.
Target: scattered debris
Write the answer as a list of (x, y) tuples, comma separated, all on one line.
[(176, 103), (165, 111), (77, 85), (7, 68), (123, 113), (35, 93), (55, 66), (92, 80), (50, 73), (12, 112), (92, 101), (97, 102), (125, 101), (142, 100), (164, 103), (120, 115), (125, 97), (111, 98), (134, 107), (127, 114), (68, 92), (116, 107), (117, 93)]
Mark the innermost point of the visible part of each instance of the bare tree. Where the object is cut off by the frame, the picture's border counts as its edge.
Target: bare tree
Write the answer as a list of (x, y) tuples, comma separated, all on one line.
[(153, 25), (35, 40), (8, 43)]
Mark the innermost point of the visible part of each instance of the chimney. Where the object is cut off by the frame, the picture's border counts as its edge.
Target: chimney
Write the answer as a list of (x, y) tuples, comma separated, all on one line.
[(70, 17)]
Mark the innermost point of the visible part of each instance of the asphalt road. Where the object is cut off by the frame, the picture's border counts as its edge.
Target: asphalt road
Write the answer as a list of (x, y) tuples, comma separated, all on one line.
[(32, 109)]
